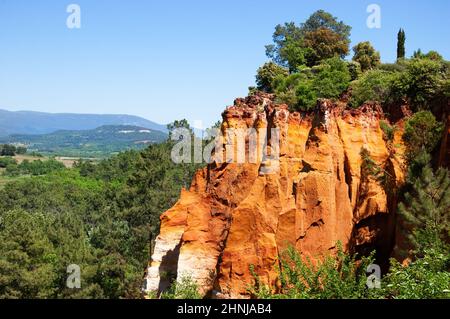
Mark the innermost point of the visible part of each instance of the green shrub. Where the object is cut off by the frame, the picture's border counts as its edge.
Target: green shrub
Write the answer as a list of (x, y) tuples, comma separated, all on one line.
[(301, 90), (374, 85), (7, 150), (388, 131), (186, 288), (266, 75), (296, 91), (5, 161), (36, 154), (333, 278), (422, 133), (424, 278), (35, 168), (446, 89), (400, 66), (354, 68), (12, 170), (21, 150), (431, 55), (421, 83), (332, 79)]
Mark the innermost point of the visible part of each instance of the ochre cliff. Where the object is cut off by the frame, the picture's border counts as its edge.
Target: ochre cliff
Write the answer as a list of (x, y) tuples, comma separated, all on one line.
[(233, 216)]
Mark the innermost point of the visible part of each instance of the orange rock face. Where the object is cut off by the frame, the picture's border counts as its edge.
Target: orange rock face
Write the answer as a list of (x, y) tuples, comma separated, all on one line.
[(236, 216)]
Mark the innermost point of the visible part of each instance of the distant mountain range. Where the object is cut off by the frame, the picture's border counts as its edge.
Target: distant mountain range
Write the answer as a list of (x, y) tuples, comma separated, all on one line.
[(99, 142), (28, 122)]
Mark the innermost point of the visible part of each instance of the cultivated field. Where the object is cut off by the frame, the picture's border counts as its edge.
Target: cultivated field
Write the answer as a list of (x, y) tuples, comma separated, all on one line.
[(67, 161)]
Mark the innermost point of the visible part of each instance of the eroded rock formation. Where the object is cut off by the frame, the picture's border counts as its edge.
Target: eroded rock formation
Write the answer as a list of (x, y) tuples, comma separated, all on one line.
[(233, 216)]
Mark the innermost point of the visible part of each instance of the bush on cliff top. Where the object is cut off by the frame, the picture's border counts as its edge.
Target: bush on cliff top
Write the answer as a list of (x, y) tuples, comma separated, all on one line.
[(267, 74), (419, 81), (373, 86), (422, 80), (301, 90)]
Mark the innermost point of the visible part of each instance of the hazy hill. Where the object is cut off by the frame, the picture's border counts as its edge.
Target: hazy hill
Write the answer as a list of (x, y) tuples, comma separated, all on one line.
[(98, 142), (28, 122)]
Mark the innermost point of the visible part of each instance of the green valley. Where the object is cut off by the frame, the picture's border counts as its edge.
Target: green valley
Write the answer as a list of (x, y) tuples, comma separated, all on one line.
[(96, 143)]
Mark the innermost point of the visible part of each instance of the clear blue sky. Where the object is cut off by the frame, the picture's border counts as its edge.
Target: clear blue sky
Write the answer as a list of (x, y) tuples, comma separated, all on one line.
[(167, 60)]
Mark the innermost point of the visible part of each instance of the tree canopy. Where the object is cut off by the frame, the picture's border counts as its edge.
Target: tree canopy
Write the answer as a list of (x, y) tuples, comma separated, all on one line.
[(320, 37), (366, 56)]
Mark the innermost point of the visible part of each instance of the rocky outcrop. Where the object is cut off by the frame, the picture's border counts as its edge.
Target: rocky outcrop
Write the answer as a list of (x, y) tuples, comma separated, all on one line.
[(236, 216)]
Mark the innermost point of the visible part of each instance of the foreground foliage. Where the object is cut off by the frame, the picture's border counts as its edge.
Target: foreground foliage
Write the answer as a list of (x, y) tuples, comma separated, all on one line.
[(342, 277), (334, 277), (425, 278), (185, 288)]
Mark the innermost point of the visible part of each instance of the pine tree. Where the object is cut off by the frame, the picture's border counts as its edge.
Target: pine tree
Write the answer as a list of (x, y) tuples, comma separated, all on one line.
[(401, 38), (426, 208)]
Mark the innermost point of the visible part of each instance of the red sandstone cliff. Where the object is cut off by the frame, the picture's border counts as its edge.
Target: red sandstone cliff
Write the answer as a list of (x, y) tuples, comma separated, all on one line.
[(233, 216)]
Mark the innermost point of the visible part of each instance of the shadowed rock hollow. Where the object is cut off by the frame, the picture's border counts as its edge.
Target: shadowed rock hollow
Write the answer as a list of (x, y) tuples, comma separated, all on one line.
[(233, 216)]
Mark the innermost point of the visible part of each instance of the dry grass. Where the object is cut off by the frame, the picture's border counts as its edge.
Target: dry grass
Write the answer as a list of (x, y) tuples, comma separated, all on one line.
[(21, 158), (67, 161)]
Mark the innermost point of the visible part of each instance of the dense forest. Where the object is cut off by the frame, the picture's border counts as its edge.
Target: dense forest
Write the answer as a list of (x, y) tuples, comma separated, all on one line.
[(101, 216), (104, 216)]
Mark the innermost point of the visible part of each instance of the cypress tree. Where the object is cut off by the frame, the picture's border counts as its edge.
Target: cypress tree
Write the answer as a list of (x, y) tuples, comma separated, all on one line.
[(401, 38)]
